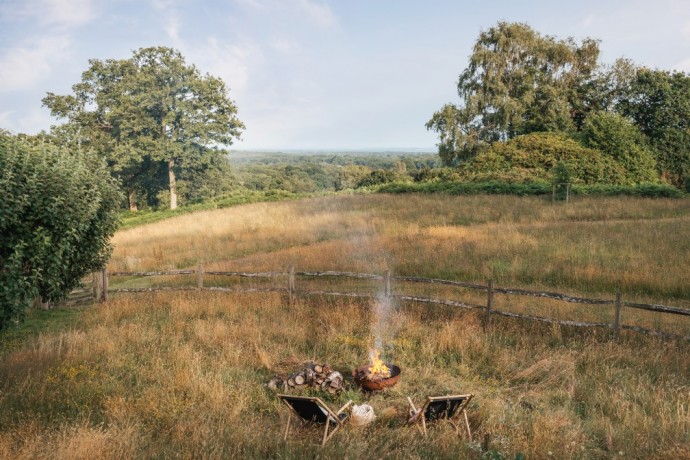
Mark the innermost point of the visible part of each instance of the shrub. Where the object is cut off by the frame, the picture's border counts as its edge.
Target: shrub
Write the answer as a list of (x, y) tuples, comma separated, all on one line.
[(57, 214), (532, 156), (377, 177), (649, 190)]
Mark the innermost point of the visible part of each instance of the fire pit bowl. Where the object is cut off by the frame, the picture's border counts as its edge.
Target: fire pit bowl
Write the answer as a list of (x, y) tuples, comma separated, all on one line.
[(378, 383)]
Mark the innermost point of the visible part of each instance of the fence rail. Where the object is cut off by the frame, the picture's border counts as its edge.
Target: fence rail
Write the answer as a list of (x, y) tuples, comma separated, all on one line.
[(101, 290)]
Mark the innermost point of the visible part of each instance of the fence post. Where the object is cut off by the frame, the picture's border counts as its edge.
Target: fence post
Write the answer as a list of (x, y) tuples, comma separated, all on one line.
[(200, 277), (291, 284), (617, 316), (387, 284), (104, 285), (489, 303), (96, 285)]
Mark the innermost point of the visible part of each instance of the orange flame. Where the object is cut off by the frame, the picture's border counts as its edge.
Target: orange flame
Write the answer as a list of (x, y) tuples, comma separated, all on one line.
[(377, 369)]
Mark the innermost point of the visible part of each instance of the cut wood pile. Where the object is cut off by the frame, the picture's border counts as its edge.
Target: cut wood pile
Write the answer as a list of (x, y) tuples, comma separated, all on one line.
[(317, 376)]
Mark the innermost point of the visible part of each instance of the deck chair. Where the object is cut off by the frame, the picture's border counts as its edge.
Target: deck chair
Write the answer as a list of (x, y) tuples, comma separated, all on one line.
[(312, 409), (449, 408)]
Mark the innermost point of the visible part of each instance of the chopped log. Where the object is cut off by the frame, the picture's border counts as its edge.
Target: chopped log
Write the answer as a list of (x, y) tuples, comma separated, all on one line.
[(327, 380), (334, 375)]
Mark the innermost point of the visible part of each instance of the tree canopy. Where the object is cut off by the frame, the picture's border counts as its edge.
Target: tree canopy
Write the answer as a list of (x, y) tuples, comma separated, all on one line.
[(149, 111), (658, 102), (517, 82)]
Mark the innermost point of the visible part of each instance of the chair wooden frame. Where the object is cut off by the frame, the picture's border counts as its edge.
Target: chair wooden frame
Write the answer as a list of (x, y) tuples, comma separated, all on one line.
[(330, 418), (419, 416)]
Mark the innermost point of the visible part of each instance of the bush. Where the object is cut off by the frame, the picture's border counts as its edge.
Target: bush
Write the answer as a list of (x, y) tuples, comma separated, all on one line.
[(469, 188), (650, 190), (57, 214), (532, 156), (377, 177)]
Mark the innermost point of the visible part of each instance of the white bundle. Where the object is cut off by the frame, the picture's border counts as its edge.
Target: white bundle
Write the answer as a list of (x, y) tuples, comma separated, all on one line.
[(362, 415)]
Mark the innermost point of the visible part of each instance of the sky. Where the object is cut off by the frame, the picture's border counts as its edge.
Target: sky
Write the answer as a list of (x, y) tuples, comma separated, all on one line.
[(312, 74)]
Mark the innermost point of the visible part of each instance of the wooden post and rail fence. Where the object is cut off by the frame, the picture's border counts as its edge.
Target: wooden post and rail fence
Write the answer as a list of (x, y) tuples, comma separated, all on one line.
[(101, 290)]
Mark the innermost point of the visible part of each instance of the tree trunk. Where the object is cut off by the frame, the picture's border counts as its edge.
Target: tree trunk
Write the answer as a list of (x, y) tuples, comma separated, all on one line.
[(173, 188), (132, 202)]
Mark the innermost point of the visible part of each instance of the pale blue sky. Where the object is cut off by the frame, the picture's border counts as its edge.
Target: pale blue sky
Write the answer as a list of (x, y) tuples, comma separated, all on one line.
[(338, 74)]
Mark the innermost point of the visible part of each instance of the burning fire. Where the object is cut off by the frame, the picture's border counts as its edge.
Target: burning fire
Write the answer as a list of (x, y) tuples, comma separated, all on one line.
[(377, 369)]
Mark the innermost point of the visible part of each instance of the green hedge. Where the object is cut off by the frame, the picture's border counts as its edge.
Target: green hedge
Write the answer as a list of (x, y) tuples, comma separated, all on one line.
[(534, 188)]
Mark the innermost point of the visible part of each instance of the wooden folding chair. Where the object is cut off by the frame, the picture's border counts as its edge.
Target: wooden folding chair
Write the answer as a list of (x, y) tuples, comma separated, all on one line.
[(449, 408), (312, 409)]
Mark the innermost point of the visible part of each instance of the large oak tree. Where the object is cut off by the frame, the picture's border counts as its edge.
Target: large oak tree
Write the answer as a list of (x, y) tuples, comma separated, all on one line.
[(148, 111)]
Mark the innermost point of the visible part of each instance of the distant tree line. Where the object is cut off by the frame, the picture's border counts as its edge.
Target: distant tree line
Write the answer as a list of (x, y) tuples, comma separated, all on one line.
[(631, 123), (327, 172)]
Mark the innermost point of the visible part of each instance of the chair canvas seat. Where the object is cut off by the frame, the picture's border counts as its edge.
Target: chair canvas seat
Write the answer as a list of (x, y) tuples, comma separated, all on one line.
[(442, 409), (448, 408), (312, 409)]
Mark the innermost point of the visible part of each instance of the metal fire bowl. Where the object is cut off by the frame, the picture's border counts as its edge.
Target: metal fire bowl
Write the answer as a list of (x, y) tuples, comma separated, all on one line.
[(377, 384)]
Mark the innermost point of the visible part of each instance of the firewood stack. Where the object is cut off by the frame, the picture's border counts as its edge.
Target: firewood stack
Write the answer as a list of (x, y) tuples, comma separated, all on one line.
[(317, 376)]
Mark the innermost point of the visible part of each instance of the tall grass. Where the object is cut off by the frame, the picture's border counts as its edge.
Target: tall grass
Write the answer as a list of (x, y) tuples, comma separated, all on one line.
[(589, 245), (180, 375)]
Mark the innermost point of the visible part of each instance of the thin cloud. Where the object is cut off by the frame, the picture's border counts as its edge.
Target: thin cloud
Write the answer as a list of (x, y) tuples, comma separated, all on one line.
[(683, 65), (316, 12), (31, 121), (319, 12), (283, 45), (686, 30), (172, 26), (23, 66), (171, 18), (57, 13), (233, 63)]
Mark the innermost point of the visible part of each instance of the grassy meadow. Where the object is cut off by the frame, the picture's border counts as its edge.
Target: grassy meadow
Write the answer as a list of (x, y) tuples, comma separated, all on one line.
[(180, 374)]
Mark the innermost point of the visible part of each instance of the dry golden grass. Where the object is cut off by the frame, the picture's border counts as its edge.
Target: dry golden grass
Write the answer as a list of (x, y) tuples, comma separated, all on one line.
[(180, 374), (591, 245), (588, 247)]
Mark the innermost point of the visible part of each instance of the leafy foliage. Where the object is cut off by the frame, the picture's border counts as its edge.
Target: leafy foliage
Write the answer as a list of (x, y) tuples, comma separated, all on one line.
[(150, 110), (659, 104), (561, 173), (532, 156), (517, 82), (377, 177), (57, 215), (531, 188), (617, 137)]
